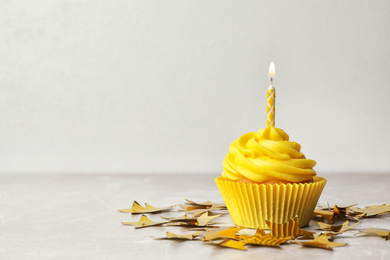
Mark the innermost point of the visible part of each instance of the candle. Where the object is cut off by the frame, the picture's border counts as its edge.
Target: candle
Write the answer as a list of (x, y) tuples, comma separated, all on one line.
[(271, 97)]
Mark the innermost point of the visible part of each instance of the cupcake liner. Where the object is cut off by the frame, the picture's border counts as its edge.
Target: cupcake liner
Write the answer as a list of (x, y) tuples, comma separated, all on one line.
[(250, 205)]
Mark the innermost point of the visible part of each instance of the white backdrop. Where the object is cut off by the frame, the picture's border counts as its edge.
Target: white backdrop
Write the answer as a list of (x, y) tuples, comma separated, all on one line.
[(165, 86)]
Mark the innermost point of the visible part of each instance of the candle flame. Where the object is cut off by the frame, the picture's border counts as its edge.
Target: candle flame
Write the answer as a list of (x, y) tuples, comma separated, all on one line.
[(271, 72)]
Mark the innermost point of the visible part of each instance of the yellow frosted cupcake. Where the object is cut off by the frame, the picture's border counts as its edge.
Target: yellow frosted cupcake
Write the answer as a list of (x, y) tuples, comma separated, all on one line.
[(266, 177)]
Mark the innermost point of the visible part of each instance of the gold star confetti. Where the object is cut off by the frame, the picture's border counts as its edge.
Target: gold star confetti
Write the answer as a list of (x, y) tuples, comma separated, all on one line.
[(143, 222), (199, 216), (339, 228), (320, 242), (373, 210), (233, 244), (192, 236), (288, 229), (205, 218), (383, 233), (138, 209), (222, 233)]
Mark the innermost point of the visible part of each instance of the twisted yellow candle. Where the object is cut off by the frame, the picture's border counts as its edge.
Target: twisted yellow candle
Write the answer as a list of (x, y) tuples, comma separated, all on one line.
[(271, 97)]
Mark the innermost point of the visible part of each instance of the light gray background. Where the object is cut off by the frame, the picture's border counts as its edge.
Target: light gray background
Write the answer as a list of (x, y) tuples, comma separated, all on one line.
[(165, 86)]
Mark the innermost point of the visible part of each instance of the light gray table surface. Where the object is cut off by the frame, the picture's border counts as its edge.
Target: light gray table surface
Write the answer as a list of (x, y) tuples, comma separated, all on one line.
[(75, 217)]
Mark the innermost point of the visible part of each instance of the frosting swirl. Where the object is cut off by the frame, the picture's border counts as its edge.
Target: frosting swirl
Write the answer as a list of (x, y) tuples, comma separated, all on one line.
[(267, 155)]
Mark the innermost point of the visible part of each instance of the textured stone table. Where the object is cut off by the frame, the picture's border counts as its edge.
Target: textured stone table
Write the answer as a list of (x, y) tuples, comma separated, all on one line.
[(75, 217)]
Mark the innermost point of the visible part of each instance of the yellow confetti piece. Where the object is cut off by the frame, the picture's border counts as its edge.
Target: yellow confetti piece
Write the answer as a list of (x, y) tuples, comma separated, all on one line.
[(328, 215), (266, 240), (383, 233), (288, 229), (143, 222), (138, 209), (320, 242), (233, 244), (222, 233), (205, 218), (207, 204), (180, 218), (339, 228), (192, 236), (373, 210)]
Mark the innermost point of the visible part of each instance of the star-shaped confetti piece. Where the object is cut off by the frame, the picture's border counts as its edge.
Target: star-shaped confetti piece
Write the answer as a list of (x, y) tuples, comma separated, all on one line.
[(232, 244), (191, 236), (288, 229), (143, 222), (222, 233), (188, 208), (199, 208), (198, 212), (346, 212), (266, 240), (203, 204), (374, 210), (138, 209), (205, 218), (328, 234), (342, 210), (206, 204), (320, 242), (383, 233), (261, 238), (328, 215), (339, 229), (178, 219)]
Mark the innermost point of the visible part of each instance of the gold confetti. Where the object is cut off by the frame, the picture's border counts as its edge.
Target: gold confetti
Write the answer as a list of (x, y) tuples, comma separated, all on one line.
[(199, 217), (320, 242), (263, 239), (178, 219), (191, 208), (266, 240), (328, 234), (143, 222), (138, 209), (214, 234), (199, 208), (206, 204), (201, 228), (192, 236), (383, 233), (288, 229), (339, 229), (205, 218), (373, 210), (233, 244), (342, 210), (328, 215), (222, 233), (198, 212)]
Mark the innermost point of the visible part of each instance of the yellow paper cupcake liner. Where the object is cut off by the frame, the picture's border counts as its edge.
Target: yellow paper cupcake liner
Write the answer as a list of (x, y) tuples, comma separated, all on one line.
[(250, 205)]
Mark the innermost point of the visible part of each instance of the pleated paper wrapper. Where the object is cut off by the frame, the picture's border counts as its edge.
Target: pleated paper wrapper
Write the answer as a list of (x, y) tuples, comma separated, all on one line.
[(250, 205)]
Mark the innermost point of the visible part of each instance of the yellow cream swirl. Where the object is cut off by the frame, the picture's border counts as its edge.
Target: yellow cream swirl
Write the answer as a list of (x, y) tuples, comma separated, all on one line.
[(267, 155)]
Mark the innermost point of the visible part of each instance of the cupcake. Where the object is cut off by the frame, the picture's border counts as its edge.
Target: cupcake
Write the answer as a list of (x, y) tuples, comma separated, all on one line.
[(267, 178)]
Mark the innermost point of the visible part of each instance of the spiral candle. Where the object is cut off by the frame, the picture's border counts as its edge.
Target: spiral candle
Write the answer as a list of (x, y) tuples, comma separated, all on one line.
[(271, 97), (271, 106)]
